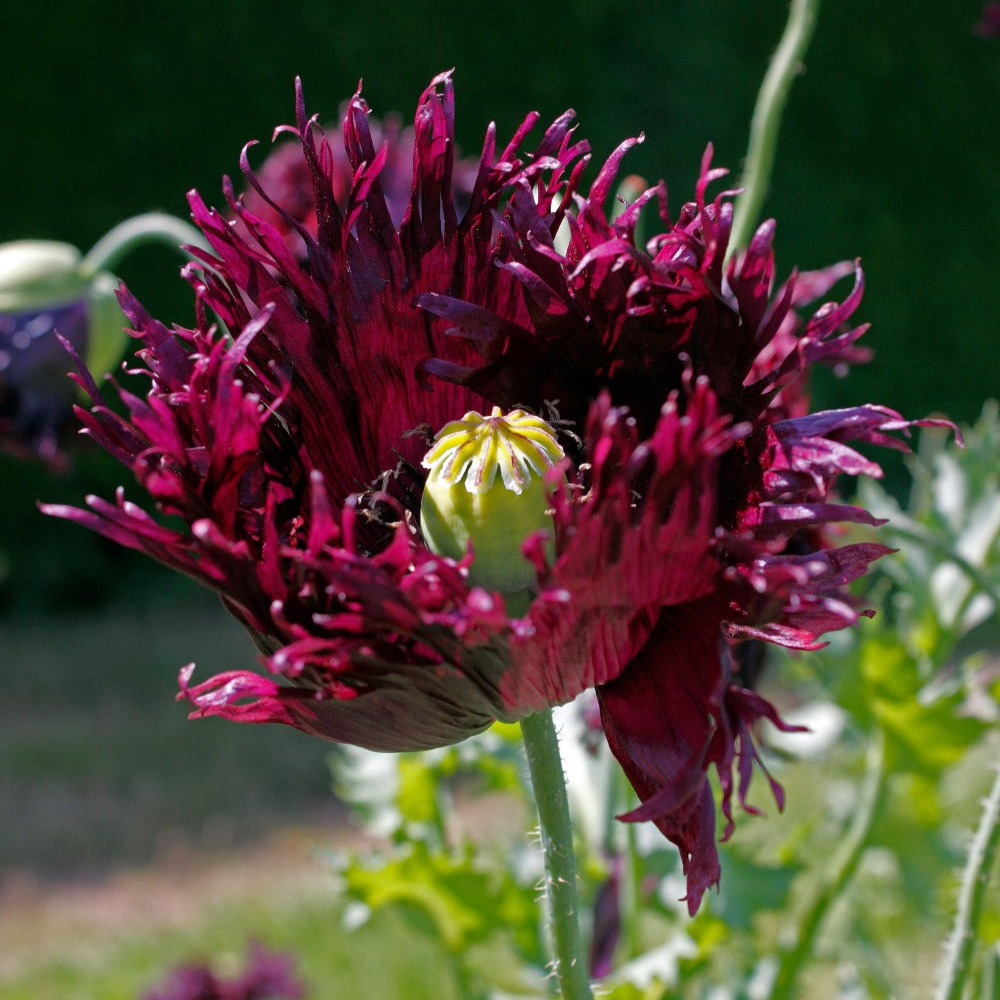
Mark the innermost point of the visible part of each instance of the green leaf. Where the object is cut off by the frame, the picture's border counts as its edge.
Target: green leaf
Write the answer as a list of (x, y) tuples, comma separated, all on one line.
[(466, 903), (630, 991), (924, 732), (417, 797), (747, 887)]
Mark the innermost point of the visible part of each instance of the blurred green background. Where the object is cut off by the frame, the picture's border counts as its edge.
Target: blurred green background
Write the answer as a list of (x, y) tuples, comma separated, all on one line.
[(889, 151)]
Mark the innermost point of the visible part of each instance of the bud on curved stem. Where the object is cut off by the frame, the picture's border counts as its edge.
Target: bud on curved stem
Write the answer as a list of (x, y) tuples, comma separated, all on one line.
[(40, 276), (140, 230), (38, 273), (488, 486)]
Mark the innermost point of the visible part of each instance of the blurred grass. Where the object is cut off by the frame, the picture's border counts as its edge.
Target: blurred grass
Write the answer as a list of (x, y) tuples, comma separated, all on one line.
[(388, 957), (99, 766)]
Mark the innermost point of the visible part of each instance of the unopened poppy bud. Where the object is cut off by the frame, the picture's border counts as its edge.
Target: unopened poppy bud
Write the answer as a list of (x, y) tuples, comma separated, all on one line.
[(38, 273), (47, 288), (41, 277), (487, 485)]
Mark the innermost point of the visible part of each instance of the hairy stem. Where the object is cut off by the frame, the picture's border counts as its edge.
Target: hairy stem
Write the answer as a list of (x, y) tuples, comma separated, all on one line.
[(845, 862), (784, 67), (152, 227), (975, 881), (545, 766)]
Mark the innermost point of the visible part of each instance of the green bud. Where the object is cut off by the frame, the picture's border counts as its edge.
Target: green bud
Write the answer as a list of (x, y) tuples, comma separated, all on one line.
[(44, 274), (38, 273), (487, 486)]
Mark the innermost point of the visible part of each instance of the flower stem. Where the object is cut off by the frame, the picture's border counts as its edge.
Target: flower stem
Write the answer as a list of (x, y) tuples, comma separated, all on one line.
[(785, 65), (798, 951), (548, 783), (975, 881), (151, 227), (625, 834), (991, 975)]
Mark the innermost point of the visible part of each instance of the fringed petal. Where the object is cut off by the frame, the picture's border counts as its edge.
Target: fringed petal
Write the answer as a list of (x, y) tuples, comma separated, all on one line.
[(640, 539), (360, 295), (659, 718)]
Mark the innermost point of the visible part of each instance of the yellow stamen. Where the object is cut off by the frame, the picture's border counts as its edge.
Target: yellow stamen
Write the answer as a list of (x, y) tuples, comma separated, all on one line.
[(463, 502)]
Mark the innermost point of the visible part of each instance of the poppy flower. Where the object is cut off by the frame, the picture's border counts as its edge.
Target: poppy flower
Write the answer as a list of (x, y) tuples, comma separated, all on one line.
[(285, 433), (989, 20)]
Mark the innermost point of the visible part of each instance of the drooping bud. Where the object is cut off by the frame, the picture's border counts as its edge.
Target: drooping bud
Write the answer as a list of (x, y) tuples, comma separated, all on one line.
[(46, 288), (36, 273), (42, 279), (487, 485)]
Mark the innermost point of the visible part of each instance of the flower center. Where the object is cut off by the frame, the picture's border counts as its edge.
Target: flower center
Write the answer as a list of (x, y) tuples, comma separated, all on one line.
[(487, 485)]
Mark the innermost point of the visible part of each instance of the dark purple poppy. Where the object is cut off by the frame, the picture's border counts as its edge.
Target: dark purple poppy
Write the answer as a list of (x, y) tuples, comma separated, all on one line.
[(285, 434), (268, 976), (607, 927), (35, 397)]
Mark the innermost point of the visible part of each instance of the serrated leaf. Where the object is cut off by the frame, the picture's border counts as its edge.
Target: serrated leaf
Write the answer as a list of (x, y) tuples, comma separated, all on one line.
[(465, 903)]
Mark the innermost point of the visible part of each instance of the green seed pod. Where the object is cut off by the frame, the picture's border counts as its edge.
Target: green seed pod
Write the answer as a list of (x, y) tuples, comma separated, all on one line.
[(487, 485)]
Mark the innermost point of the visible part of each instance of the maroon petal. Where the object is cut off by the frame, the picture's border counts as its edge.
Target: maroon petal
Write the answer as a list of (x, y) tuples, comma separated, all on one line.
[(659, 718), (621, 560)]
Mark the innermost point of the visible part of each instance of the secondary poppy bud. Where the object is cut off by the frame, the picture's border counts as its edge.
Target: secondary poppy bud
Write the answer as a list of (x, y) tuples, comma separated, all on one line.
[(487, 485), (40, 275), (47, 287), (38, 272)]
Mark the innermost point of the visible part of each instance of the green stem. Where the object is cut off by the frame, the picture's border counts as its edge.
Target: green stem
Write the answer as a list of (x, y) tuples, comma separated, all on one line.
[(627, 848), (549, 785), (794, 955), (152, 227), (785, 65), (975, 881), (991, 975)]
